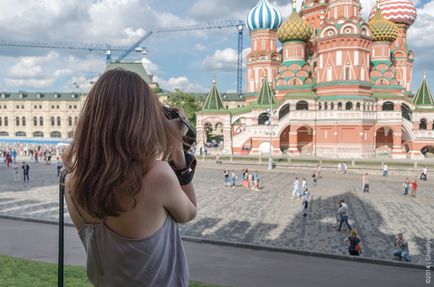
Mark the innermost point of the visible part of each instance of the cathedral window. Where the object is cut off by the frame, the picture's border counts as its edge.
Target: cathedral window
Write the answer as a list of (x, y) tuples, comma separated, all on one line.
[(347, 73), (358, 106), (302, 105), (387, 106), (339, 106), (319, 106), (325, 106), (349, 106), (284, 111), (332, 106), (422, 124), (263, 119)]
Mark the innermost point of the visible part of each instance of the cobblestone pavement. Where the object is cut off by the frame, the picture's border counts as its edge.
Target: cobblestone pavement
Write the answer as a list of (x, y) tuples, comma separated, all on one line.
[(269, 216)]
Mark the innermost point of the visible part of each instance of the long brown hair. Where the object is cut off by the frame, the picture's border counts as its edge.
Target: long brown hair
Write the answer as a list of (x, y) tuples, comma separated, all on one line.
[(121, 130)]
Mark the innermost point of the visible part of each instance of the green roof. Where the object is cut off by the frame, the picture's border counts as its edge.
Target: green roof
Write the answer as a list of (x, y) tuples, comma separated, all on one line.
[(40, 96), (265, 96), (136, 67), (424, 96), (213, 100)]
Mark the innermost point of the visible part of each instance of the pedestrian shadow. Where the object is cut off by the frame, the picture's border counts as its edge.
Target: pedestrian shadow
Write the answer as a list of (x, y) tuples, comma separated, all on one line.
[(317, 231)]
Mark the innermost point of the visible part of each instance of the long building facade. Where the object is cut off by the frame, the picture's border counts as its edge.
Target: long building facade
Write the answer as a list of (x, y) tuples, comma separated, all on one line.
[(338, 86)]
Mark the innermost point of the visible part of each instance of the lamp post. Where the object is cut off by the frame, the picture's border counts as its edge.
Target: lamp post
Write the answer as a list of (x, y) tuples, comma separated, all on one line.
[(270, 131)]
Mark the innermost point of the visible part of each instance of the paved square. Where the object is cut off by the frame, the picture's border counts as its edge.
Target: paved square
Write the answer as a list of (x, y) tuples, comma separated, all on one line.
[(269, 216)]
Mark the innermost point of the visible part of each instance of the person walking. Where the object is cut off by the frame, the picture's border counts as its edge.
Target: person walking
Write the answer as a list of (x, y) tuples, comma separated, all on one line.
[(314, 179), (406, 185), (305, 202), (233, 179), (401, 250), (295, 188), (414, 188), (343, 212), (365, 182), (256, 180), (15, 172), (25, 168), (14, 156), (424, 174), (127, 197), (353, 241), (385, 170), (245, 178), (226, 177), (59, 166), (303, 186)]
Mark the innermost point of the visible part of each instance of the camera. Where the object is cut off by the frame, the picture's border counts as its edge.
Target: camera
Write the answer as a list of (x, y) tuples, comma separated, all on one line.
[(188, 132)]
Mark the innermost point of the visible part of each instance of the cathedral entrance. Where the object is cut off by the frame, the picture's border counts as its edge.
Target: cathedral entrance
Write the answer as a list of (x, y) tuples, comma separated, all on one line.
[(284, 139), (305, 140), (384, 140)]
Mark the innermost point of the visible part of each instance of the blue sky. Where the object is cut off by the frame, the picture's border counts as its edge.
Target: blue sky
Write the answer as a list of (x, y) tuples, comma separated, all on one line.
[(185, 60)]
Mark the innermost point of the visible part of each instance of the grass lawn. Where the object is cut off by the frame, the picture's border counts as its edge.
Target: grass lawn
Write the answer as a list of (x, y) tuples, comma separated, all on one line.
[(26, 273)]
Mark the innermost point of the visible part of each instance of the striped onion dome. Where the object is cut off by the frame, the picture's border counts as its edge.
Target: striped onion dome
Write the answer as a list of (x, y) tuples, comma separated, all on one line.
[(294, 28), (382, 29), (397, 11), (264, 16)]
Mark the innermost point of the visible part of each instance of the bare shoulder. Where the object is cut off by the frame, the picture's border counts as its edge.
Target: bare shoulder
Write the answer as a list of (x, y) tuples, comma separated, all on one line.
[(160, 177)]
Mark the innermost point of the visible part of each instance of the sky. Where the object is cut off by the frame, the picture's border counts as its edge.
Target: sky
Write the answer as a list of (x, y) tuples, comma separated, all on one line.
[(180, 60)]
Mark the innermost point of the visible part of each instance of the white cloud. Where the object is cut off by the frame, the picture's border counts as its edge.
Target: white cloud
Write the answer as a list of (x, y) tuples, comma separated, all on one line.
[(80, 83), (182, 83), (199, 47), (149, 66), (30, 67), (31, 83), (224, 60)]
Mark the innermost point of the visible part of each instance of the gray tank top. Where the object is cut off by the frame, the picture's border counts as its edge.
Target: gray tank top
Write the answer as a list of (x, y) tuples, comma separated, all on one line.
[(113, 261)]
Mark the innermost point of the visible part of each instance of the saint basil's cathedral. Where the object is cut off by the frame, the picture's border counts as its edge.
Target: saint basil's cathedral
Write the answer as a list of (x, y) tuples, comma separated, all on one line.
[(337, 86)]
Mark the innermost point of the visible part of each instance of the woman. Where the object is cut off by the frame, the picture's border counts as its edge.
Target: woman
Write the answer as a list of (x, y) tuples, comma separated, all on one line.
[(123, 196), (353, 243)]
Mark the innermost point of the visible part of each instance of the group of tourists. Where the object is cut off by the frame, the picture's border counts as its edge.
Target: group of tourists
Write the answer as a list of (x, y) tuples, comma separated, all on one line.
[(249, 180), (407, 184)]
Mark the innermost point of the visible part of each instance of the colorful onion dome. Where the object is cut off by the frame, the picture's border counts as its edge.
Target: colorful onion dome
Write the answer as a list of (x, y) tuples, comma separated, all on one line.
[(264, 16), (382, 29), (294, 28), (397, 11)]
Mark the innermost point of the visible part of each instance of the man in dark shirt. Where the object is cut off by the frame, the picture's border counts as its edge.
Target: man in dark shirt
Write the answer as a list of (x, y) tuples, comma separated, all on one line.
[(26, 168)]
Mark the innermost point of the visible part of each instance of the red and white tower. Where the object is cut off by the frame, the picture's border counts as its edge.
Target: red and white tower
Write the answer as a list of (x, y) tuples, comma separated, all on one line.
[(263, 21)]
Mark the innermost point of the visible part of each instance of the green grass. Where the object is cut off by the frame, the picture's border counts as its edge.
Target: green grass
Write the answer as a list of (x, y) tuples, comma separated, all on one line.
[(26, 273)]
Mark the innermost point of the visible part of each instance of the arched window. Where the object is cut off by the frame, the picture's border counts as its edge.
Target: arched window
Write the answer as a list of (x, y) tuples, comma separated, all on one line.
[(262, 119), (69, 121), (17, 121), (58, 121), (35, 121), (53, 122), (302, 105), (358, 106), (364, 106), (41, 121), (55, 135), (387, 106), (23, 121), (20, 134), (349, 106), (283, 111), (339, 106), (406, 112), (4, 134), (38, 134), (325, 106), (6, 121), (422, 124), (319, 106)]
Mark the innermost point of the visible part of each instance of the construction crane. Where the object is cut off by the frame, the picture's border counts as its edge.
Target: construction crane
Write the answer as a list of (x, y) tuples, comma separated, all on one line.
[(126, 50)]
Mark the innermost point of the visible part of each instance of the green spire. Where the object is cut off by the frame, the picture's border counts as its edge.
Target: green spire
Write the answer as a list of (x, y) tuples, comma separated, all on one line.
[(213, 100), (265, 96), (424, 96)]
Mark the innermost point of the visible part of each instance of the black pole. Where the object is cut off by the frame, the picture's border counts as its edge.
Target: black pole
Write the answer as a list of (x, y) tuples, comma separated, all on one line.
[(61, 230)]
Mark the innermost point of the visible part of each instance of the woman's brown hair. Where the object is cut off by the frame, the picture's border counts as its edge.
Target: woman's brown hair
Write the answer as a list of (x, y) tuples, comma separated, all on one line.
[(120, 132)]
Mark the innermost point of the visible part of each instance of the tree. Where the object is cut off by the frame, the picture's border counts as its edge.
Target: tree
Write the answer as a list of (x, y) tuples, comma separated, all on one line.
[(187, 102)]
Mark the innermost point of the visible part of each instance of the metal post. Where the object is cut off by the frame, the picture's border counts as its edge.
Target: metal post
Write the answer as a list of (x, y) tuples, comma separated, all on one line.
[(270, 121)]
